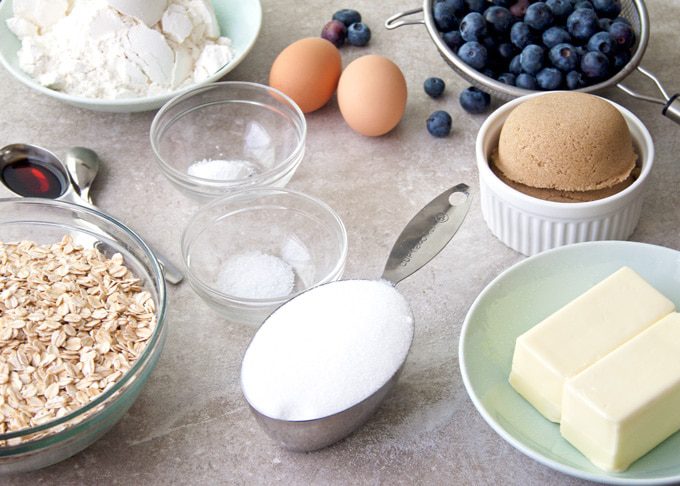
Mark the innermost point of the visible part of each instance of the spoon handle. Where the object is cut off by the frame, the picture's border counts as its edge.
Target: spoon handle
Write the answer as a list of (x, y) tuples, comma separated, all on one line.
[(427, 233)]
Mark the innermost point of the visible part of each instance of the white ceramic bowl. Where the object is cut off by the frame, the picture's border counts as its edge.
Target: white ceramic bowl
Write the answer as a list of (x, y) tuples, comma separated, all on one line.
[(530, 225), (240, 20)]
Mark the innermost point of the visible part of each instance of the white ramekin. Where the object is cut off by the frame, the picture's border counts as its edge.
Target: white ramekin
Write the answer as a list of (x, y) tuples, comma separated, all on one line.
[(530, 225)]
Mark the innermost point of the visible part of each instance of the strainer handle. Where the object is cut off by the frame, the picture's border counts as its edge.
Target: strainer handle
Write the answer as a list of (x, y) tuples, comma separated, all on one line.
[(394, 23), (670, 103), (427, 233)]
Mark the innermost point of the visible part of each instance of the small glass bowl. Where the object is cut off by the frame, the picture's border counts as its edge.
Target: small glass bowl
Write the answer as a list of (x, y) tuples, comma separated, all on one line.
[(46, 221), (234, 121), (301, 230)]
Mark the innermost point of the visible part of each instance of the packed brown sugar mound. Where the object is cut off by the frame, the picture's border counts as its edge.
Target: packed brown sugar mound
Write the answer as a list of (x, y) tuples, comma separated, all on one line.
[(567, 142)]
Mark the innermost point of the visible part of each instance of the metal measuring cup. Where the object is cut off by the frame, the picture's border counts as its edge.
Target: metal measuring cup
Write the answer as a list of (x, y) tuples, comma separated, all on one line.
[(421, 240), (11, 154)]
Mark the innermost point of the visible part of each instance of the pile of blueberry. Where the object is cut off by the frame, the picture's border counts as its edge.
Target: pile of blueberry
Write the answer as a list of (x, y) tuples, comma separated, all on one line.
[(551, 44), (346, 25)]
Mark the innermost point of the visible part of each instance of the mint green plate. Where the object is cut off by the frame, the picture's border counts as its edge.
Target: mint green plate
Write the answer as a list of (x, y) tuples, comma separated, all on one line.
[(240, 20), (519, 298)]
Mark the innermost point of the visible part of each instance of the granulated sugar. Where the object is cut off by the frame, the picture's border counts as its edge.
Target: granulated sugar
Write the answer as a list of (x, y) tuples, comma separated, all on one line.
[(327, 350), (256, 275), (222, 170)]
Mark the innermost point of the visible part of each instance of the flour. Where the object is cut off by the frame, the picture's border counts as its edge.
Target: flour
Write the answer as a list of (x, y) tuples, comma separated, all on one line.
[(118, 48)]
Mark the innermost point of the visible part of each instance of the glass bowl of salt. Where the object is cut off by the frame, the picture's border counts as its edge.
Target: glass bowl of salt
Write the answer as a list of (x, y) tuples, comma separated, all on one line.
[(249, 252), (223, 137)]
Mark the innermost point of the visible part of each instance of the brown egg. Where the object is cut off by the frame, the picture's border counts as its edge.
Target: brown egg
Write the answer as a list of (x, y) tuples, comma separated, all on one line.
[(308, 71), (372, 95)]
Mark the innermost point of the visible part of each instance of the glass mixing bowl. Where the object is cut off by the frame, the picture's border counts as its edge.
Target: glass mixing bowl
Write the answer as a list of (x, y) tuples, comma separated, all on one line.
[(250, 124), (46, 221), (299, 229)]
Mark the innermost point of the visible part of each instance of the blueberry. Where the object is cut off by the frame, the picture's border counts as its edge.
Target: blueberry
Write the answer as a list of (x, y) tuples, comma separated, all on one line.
[(453, 39), (439, 124), (620, 59), (583, 4), (581, 51), (582, 24), (434, 87), (605, 23), (458, 6), (549, 79), (502, 3), (358, 34), (347, 16), (575, 80), (444, 14), (334, 31), (506, 51), (622, 19), (607, 8), (499, 18), (488, 72), (538, 16), (473, 54), (526, 81), (521, 35), (515, 66), (561, 9), (623, 35), (474, 101), (602, 42), (519, 8), (531, 59), (489, 42), (595, 65), (555, 35), (473, 27), (476, 5), (507, 78), (563, 57)]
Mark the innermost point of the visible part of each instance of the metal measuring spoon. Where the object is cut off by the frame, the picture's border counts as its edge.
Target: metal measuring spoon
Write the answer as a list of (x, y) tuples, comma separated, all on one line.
[(422, 239), (83, 165)]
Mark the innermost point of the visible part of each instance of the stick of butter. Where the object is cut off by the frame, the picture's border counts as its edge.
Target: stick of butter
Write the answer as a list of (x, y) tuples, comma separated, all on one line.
[(621, 407), (580, 333)]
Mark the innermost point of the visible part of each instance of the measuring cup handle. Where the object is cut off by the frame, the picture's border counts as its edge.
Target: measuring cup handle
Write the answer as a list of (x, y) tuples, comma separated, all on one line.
[(427, 233)]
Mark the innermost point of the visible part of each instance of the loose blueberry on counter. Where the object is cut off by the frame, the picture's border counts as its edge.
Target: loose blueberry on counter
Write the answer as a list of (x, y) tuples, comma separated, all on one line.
[(526, 81), (563, 57), (507, 78), (623, 35), (531, 59), (474, 101), (555, 35), (434, 87), (607, 8), (561, 9), (473, 27), (334, 31), (521, 35), (453, 39), (595, 66), (475, 5), (444, 14), (358, 34), (575, 80), (473, 54), (347, 16), (583, 23), (549, 79), (538, 16), (439, 124), (602, 42), (499, 18)]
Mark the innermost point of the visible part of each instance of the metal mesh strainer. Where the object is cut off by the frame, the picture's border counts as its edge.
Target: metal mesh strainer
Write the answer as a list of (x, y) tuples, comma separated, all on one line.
[(633, 10)]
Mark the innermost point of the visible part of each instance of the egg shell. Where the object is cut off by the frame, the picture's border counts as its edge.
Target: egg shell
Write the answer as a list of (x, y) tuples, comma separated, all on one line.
[(372, 95), (308, 71)]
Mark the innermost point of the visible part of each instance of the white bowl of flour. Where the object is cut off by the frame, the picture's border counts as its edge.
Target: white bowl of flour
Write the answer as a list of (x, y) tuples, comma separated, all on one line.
[(99, 89)]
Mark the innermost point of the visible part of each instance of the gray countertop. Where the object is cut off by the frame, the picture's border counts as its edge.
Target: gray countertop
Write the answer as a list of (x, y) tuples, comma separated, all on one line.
[(190, 424)]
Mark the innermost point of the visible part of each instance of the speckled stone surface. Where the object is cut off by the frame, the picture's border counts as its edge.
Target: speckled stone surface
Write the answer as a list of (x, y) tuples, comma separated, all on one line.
[(190, 424)]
